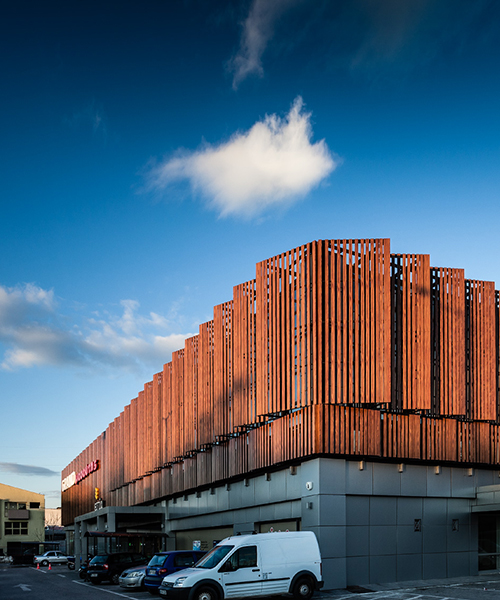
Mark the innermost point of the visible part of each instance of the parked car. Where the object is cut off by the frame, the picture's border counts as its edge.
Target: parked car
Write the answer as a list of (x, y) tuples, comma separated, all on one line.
[(54, 557), (263, 564), (164, 563), (109, 567), (133, 577)]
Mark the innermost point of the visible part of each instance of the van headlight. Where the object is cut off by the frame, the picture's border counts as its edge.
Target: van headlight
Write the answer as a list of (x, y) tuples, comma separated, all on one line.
[(179, 582)]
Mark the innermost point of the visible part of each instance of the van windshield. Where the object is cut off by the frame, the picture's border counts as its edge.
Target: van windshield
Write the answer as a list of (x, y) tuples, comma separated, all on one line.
[(213, 558)]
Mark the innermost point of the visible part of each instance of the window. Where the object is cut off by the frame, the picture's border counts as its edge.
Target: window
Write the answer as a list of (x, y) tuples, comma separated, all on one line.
[(18, 506), (10, 506), (247, 557), (243, 558), (183, 560), (16, 528)]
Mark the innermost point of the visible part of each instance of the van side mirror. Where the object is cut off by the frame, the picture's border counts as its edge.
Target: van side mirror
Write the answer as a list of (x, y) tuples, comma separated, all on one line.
[(227, 567)]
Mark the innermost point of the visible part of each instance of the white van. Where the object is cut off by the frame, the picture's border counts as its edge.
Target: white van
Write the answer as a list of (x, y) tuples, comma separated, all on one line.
[(242, 566)]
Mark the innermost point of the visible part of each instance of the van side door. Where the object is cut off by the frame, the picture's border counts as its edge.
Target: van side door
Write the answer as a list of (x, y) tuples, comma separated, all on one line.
[(240, 573)]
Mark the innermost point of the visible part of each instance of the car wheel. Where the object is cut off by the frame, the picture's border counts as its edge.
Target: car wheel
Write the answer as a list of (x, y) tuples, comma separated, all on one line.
[(44, 563), (206, 593), (303, 589), (115, 579)]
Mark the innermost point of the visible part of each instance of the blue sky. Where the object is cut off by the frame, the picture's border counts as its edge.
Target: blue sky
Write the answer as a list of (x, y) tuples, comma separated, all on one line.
[(152, 152)]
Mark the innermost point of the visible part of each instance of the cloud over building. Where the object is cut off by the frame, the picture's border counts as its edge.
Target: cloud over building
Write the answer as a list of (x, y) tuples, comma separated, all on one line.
[(272, 164)]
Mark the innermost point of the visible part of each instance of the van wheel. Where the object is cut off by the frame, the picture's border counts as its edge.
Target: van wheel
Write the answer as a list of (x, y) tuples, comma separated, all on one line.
[(303, 589), (206, 593)]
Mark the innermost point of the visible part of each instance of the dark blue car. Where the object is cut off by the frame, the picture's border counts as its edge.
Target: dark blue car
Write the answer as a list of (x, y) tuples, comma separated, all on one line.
[(164, 563)]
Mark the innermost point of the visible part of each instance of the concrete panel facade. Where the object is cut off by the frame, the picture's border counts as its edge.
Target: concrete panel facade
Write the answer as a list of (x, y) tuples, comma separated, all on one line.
[(378, 522), (374, 522)]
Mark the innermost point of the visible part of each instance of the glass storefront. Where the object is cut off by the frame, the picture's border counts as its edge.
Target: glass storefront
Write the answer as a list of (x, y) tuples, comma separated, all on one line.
[(488, 542)]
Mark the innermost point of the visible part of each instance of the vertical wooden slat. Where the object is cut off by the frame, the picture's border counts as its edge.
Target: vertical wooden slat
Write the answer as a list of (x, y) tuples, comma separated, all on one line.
[(481, 342)]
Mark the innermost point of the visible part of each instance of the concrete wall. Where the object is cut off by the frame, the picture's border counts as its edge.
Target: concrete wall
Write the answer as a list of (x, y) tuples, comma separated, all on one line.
[(381, 522)]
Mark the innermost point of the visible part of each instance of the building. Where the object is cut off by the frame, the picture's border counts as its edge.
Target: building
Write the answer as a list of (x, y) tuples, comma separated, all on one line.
[(55, 535), (345, 390), (22, 519), (53, 517)]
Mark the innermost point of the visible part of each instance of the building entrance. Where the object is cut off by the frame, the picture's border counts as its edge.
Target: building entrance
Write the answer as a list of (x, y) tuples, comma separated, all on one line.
[(488, 542)]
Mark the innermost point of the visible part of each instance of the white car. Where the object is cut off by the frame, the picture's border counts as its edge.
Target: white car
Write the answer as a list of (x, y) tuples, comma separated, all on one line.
[(52, 557)]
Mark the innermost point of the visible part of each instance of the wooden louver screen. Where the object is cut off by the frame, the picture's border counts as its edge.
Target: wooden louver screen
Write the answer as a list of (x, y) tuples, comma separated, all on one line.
[(335, 348)]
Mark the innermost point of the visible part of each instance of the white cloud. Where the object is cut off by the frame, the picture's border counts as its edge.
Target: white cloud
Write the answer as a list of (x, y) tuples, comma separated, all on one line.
[(15, 303), (273, 163), (33, 333), (19, 469), (371, 39), (258, 30)]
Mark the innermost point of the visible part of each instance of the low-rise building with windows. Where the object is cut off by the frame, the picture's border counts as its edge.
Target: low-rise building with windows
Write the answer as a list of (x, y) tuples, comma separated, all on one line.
[(22, 520)]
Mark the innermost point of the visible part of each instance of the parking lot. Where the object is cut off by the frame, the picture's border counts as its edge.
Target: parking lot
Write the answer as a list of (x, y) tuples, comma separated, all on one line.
[(60, 582)]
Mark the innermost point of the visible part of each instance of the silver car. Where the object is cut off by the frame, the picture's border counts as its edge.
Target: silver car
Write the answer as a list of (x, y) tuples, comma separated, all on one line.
[(133, 577), (52, 557)]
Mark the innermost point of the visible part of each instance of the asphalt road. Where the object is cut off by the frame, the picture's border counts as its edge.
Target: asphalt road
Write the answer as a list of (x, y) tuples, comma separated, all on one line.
[(60, 583)]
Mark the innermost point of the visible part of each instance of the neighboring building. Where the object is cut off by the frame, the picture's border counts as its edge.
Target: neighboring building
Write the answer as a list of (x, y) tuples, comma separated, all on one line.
[(55, 535), (22, 518), (53, 517), (345, 390)]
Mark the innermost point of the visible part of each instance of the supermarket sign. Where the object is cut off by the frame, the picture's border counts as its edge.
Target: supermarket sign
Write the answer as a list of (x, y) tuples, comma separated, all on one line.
[(74, 478)]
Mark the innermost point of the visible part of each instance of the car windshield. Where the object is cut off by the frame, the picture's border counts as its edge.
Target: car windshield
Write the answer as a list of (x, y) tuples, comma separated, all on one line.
[(98, 560), (157, 560), (213, 558)]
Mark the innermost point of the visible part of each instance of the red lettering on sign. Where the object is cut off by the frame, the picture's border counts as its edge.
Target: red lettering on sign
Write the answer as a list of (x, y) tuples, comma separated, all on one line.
[(87, 470)]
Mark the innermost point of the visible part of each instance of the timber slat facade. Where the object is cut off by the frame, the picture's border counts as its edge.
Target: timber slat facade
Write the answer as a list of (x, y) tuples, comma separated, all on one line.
[(336, 348)]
